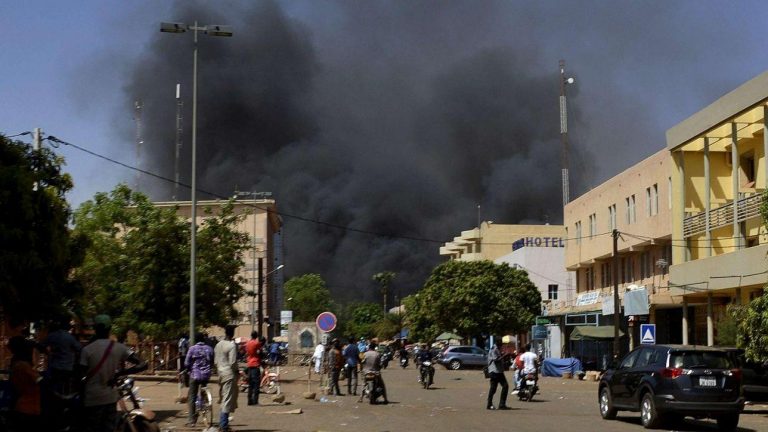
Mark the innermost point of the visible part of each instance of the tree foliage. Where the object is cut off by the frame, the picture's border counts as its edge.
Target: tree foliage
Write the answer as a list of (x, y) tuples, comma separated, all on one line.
[(471, 298), (387, 327), (137, 268), (753, 328), (384, 279), (37, 250), (358, 319), (307, 296)]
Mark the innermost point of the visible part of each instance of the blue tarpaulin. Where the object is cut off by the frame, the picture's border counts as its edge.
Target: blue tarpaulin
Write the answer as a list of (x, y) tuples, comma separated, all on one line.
[(555, 367)]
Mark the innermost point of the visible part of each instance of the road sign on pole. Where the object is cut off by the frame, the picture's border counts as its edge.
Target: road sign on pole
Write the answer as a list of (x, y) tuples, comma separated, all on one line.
[(326, 322), (648, 334)]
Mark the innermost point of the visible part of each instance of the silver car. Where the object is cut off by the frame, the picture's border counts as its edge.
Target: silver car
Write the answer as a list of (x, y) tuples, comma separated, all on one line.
[(456, 357)]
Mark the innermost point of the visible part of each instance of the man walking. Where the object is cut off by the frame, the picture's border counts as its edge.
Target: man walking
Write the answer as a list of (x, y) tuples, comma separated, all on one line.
[(352, 358), (496, 371), (101, 362), (335, 363), (253, 357), (198, 363), (225, 356)]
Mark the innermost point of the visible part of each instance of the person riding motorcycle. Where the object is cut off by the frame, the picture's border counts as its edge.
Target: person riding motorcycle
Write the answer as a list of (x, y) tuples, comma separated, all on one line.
[(425, 356), (528, 363), (403, 356), (372, 363)]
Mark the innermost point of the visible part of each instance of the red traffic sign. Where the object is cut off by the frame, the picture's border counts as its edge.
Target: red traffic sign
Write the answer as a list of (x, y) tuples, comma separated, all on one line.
[(326, 322)]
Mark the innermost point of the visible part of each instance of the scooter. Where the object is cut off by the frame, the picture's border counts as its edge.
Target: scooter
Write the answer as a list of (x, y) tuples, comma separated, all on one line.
[(427, 373), (403, 362), (529, 385), (133, 418), (385, 358), (371, 388)]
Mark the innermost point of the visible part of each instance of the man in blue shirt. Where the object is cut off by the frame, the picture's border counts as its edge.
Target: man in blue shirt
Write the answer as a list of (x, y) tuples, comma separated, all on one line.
[(197, 363), (274, 353), (352, 356)]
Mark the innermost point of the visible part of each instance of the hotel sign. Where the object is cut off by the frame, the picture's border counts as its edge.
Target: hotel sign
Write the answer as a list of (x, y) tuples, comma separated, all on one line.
[(557, 242)]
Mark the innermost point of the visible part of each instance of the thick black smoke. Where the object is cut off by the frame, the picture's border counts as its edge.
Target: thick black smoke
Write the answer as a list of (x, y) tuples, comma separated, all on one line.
[(393, 117)]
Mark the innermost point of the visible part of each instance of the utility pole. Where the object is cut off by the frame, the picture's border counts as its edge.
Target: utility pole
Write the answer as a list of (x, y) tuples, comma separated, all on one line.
[(37, 140), (564, 131), (179, 106), (261, 284), (616, 305), (138, 105)]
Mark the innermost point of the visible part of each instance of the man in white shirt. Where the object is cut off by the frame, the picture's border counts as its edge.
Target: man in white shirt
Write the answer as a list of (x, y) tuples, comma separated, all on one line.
[(530, 360), (225, 357), (317, 357)]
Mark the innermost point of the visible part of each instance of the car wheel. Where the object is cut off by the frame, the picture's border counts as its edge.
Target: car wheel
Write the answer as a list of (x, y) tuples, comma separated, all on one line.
[(455, 364), (607, 411), (728, 422), (648, 415)]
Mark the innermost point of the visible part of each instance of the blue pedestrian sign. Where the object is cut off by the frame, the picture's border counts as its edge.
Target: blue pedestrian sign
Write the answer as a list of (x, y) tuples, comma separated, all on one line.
[(326, 322), (648, 334)]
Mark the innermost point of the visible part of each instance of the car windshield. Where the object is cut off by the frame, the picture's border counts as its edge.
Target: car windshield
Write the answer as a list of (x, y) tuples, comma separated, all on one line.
[(700, 359)]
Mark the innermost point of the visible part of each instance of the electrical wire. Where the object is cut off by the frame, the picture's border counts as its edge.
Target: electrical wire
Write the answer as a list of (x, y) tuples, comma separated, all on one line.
[(19, 134)]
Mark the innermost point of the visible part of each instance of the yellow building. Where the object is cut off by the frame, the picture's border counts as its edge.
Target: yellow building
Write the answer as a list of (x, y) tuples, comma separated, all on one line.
[(260, 223), (720, 249), (490, 241), (637, 203)]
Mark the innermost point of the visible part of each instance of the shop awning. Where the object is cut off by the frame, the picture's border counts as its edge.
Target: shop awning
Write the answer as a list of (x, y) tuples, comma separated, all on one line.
[(593, 333)]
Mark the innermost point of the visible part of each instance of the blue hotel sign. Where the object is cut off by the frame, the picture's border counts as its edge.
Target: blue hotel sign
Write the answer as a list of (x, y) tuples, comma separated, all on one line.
[(557, 242)]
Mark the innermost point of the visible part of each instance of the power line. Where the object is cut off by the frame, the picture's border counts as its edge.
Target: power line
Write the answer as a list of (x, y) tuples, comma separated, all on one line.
[(19, 134)]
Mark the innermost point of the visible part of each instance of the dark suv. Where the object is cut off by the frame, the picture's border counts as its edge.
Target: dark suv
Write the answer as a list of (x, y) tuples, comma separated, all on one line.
[(668, 382)]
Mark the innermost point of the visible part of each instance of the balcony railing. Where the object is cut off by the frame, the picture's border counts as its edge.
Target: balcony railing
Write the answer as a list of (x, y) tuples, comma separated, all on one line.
[(748, 208)]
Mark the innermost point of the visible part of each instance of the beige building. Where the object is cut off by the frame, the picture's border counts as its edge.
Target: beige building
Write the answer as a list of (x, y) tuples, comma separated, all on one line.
[(637, 203), (490, 241), (260, 223), (719, 177)]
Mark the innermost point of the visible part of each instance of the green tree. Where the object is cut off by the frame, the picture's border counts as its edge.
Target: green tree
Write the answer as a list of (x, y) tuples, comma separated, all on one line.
[(137, 267), (384, 279), (358, 319), (37, 251), (387, 327), (472, 298), (307, 296)]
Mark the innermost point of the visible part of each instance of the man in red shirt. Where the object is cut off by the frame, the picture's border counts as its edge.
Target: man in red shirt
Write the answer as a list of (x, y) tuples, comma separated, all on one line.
[(253, 357)]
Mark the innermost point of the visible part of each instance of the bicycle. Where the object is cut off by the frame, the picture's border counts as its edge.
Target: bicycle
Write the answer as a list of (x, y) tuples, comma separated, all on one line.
[(204, 406)]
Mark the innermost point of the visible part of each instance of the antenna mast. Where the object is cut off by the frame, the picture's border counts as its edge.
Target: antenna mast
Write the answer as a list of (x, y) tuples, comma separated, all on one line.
[(138, 105)]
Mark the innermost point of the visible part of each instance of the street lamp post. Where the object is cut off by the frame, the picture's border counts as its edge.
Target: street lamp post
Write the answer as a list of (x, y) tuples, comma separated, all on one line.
[(261, 284), (213, 30), (564, 131)]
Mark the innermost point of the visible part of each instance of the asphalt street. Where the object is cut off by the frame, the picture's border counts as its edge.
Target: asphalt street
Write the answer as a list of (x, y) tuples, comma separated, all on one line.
[(455, 403)]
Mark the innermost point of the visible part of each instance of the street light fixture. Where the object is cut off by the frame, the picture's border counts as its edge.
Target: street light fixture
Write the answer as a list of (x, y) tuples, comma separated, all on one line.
[(213, 30)]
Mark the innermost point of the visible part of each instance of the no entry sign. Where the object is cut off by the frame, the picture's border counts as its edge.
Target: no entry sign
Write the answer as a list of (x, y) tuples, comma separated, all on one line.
[(326, 322)]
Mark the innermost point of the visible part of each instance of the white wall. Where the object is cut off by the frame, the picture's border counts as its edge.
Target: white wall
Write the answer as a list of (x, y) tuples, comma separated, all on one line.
[(545, 266)]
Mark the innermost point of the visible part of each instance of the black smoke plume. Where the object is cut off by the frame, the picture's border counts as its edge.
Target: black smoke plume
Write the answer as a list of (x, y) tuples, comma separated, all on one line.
[(393, 117)]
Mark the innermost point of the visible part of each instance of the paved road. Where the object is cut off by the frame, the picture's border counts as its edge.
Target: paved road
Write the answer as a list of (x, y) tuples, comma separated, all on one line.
[(456, 403)]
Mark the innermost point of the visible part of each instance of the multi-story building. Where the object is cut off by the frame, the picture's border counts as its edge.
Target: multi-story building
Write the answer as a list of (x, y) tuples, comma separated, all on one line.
[(490, 241), (637, 204), (261, 223), (718, 180)]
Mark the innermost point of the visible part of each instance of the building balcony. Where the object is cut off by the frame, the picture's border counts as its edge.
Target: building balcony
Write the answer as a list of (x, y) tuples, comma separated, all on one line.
[(748, 208)]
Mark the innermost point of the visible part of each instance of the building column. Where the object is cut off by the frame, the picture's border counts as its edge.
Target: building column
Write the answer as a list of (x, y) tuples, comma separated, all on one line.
[(710, 321), (707, 198), (677, 227), (765, 144), (738, 296), (685, 322), (735, 186)]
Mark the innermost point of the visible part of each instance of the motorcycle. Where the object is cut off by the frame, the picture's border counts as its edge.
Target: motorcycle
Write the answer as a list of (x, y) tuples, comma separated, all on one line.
[(427, 373), (385, 358), (371, 388), (529, 385), (132, 417), (403, 362)]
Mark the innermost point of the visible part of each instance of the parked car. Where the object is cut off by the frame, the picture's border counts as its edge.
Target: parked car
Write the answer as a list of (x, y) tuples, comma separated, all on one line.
[(669, 382), (754, 376), (458, 356)]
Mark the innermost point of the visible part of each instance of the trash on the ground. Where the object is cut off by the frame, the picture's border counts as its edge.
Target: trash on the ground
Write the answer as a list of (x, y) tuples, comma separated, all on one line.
[(293, 411), (279, 399), (309, 395)]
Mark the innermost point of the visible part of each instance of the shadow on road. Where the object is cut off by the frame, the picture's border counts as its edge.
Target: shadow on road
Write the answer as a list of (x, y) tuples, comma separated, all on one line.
[(687, 425)]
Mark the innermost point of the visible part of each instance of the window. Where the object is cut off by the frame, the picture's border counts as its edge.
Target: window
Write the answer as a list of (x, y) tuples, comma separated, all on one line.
[(645, 357), (630, 270), (578, 232), (552, 292), (629, 360), (645, 265), (592, 225), (612, 216), (590, 276), (669, 197), (605, 274), (655, 199), (306, 339), (648, 211), (631, 218)]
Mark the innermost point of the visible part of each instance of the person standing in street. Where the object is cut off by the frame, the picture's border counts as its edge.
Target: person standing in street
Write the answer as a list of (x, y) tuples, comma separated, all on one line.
[(25, 413), (225, 356), (317, 357), (253, 359), (352, 359), (101, 361), (496, 372), (335, 363), (197, 363)]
